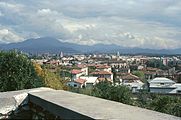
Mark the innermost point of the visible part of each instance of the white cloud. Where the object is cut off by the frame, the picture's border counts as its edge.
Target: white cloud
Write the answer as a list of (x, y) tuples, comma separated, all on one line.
[(10, 6), (45, 12), (8, 36), (141, 23)]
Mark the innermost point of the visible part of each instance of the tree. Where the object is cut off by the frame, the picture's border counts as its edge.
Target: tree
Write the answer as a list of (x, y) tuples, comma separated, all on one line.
[(17, 72), (52, 80), (167, 104), (156, 64), (116, 93), (140, 74), (49, 78)]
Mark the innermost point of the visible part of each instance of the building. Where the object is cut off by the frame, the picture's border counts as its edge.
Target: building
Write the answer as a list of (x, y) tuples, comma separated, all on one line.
[(103, 68), (103, 75), (90, 81), (76, 74), (132, 81), (83, 68), (164, 85), (78, 83)]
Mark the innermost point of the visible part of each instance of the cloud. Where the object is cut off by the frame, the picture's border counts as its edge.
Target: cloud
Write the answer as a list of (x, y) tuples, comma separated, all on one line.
[(141, 23), (8, 36), (1, 14), (45, 12), (4, 5)]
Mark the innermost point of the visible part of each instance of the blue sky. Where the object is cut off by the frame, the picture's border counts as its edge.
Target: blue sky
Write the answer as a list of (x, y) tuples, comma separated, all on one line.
[(130, 23)]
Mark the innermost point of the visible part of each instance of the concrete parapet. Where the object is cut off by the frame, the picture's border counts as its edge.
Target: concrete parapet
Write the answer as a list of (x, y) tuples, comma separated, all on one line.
[(66, 105)]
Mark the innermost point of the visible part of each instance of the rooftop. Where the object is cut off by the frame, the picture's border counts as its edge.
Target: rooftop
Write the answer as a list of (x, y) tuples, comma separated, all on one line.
[(101, 73), (81, 81), (74, 71), (161, 80)]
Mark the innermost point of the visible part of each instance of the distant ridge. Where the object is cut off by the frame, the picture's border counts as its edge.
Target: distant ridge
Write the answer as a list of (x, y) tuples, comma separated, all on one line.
[(39, 45), (53, 45)]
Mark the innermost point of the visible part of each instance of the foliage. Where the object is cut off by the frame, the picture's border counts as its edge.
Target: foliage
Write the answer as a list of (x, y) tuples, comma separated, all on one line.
[(64, 73), (91, 69), (156, 64), (179, 79), (52, 80), (140, 74), (162, 103), (167, 104), (142, 99), (116, 93), (17, 72)]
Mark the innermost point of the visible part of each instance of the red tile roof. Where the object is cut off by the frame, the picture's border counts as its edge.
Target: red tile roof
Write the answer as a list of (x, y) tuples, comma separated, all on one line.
[(74, 71), (130, 77), (81, 81), (102, 66), (101, 73), (81, 66), (104, 79)]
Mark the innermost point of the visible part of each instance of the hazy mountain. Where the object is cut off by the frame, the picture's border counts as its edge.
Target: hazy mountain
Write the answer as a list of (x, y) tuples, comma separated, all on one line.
[(52, 45), (39, 45)]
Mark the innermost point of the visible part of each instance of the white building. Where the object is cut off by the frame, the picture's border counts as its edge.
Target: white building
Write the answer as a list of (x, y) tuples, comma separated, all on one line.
[(103, 75), (132, 81), (164, 85), (90, 81), (78, 83), (103, 68), (76, 74), (83, 68)]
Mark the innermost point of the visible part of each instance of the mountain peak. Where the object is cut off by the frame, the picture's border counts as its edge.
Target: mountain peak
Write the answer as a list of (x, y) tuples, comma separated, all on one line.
[(53, 45)]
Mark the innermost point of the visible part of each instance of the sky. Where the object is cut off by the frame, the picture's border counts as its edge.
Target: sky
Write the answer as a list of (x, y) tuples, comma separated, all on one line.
[(154, 24)]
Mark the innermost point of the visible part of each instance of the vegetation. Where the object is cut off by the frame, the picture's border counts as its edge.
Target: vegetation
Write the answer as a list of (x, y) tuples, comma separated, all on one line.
[(17, 72), (166, 104), (49, 78), (140, 74), (156, 64), (161, 103), (116, 93)]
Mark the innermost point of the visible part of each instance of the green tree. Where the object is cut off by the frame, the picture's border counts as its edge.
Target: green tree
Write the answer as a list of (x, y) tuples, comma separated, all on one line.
[(120, 94), (102, 89), (116, 93), (167, 104), (176, 109), (140, 74), (17, 72)]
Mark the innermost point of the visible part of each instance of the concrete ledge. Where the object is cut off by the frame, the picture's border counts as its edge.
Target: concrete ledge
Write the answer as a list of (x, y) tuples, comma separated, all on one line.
[(69, 105), (10, 101)]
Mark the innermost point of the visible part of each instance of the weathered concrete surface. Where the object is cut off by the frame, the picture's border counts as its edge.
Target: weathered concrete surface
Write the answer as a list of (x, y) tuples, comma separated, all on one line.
[(69, 105), (9, 101)]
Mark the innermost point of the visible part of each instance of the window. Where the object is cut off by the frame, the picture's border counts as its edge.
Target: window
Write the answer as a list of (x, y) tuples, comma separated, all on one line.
[(161, 83), (178, 91)]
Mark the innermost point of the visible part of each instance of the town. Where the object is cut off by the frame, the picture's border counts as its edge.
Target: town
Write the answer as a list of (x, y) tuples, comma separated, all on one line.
[(157, 74), (90, 59)]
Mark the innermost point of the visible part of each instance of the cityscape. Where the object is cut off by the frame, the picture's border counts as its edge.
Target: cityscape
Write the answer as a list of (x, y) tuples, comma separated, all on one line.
[(90, 60)]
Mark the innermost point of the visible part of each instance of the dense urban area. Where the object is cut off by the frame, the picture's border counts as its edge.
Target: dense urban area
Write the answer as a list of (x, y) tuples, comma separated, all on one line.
[(148, 81)]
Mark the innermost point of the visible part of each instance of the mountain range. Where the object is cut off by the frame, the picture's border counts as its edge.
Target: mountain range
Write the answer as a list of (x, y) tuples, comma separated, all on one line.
[(53, 45)]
